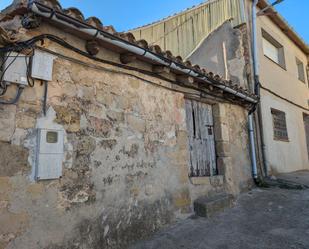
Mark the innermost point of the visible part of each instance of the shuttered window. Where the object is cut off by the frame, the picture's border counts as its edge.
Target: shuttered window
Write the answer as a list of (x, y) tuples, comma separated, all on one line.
[(270, 50), (273, 49), (300, 70), (279, 125)]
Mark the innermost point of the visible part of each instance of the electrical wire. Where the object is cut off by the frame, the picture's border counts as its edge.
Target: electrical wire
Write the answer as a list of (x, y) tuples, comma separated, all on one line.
[(15, 99), (283, 98), (30, 44), (60, 41), (30, 80), (45, 97), (132, 75)]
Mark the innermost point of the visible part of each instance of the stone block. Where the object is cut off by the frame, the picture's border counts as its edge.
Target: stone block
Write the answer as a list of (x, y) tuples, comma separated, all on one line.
[(182, 140), (134, 83), (105, 98), (209, 206), (223, 163), (25, 121), (7, 122), (200, 180), (14, 160), (136, 123), (69, 117), (216, 181), (223, 149), (182, 199), (221, 132), (219, 110)]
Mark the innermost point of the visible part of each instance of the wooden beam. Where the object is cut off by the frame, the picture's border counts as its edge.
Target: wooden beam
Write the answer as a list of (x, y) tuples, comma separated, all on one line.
[(206, 86), (160, 69), (185, 80), (127, 58), (92, 47)]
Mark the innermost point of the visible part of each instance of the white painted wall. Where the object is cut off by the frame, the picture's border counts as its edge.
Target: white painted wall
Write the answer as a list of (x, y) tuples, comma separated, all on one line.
[(284, 156), (292, 155)]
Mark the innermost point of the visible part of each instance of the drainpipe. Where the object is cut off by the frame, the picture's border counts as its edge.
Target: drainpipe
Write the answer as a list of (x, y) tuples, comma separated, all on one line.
[(69, 22), (250, 117), (252, 145), (257, 92), (255, 49)]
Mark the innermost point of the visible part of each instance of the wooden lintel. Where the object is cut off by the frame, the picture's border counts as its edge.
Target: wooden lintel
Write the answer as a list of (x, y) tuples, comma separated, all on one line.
[(184, 79), (160, 69), (127, 58)]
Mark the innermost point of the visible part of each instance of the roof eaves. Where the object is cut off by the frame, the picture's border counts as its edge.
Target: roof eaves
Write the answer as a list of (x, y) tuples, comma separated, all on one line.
[(94, 23)]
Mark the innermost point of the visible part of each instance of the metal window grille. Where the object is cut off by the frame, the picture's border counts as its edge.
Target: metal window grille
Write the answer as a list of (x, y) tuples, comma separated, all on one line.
[(279, 125)]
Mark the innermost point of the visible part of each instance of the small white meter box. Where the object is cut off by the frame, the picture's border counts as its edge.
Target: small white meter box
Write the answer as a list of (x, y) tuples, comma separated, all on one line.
[(49, 154)]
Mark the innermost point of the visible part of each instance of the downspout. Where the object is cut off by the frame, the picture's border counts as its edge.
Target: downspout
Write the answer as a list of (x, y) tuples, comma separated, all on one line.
[(74, 24), (251, 113), (257, 83)]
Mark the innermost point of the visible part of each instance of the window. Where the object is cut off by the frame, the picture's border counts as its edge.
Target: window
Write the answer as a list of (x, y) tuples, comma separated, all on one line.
[(273, 49), (300, 70), (279, 124)]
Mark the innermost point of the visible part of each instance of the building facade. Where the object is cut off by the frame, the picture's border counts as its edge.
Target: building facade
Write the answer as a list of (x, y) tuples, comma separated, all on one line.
[(214, 28), (283, 70), (106, 139)]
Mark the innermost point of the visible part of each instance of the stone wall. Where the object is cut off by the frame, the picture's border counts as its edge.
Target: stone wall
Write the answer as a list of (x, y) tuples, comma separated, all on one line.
[(125, 169)]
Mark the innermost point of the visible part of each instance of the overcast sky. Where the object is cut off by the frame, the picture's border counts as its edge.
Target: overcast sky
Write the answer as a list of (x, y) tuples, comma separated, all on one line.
[(124, 14)]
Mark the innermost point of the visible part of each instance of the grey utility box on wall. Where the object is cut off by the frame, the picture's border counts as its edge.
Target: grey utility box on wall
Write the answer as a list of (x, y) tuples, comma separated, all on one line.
[(49, 154), (15, 68), (42, 65)]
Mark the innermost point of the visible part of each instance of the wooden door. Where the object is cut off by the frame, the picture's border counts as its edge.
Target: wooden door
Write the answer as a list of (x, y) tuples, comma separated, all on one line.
[(201, 139)]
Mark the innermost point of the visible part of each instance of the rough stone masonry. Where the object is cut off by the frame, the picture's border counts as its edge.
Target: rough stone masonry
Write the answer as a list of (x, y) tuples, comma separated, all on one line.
[(125, 168)]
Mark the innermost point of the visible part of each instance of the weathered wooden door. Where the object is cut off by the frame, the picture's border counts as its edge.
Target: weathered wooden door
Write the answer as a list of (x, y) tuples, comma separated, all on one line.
[(306, 123), (201, 139)]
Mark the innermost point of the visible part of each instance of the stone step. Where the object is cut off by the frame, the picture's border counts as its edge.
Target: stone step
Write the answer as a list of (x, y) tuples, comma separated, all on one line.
[(208, 206)]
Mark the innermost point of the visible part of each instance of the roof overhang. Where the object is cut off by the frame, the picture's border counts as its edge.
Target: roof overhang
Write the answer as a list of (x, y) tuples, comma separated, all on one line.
[(285, 27)]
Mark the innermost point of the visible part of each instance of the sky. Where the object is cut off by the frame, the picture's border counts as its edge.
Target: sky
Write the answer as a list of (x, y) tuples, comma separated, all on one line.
[(128, 14)]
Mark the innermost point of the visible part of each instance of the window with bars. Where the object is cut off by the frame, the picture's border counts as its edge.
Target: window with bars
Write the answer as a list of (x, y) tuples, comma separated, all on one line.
[(279, 125)]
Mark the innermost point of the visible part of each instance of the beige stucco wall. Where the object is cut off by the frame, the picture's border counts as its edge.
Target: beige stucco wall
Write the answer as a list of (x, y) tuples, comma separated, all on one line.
[(125, 172), (283, 156)]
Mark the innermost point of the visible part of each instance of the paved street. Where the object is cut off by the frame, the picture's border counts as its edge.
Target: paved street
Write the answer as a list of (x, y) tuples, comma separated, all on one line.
[(263, 218)]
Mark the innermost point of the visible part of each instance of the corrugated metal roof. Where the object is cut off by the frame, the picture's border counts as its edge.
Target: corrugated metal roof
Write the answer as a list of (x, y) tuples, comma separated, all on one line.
[(182, 32)]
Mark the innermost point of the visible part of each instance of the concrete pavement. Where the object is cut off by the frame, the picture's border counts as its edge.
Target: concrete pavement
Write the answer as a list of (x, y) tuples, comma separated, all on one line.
[(271, 218), (299, 177)]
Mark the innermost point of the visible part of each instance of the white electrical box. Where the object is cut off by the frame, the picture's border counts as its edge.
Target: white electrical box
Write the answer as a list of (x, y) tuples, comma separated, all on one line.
[(15, 68), (42, 65), (49, 154)]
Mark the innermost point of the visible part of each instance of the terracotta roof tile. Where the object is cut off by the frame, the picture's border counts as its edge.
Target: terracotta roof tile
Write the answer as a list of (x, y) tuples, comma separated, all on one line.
[(129, 37)]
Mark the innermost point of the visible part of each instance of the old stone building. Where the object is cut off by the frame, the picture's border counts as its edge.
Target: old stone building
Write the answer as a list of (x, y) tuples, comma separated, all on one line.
[(105, 139)]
